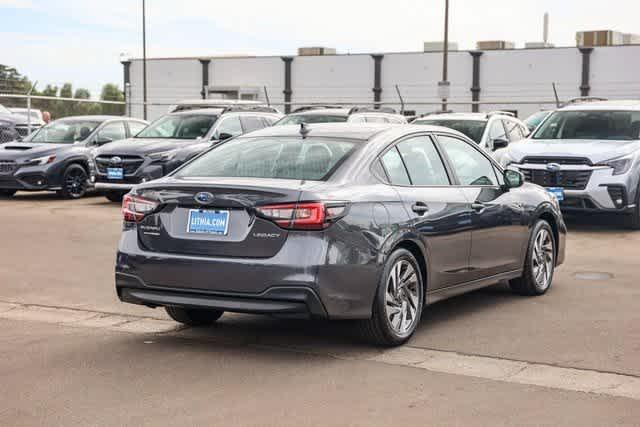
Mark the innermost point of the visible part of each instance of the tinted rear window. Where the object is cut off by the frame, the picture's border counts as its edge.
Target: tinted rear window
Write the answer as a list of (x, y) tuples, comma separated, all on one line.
[(273, 157)]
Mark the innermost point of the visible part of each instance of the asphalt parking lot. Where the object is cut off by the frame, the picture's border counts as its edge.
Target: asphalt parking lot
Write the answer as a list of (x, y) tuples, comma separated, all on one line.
[(71, 354)]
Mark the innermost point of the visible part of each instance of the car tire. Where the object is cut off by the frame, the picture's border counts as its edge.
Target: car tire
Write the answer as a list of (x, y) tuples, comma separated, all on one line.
[(115, 196), (540, 262), (194, 316), (74, 182), (7, 193), (392, 306), (632, 221)]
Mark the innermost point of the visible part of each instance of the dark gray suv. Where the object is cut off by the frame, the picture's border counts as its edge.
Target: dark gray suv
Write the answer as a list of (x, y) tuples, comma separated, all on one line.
[(58, 156), (339, 221), (169, 142)]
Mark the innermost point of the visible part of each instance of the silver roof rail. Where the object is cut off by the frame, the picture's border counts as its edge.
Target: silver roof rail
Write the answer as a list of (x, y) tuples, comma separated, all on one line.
[(584, 99)]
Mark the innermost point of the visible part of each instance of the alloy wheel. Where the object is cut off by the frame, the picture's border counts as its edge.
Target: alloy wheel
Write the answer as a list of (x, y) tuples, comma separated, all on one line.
[(542, 259), (402, 297), (76, 181)]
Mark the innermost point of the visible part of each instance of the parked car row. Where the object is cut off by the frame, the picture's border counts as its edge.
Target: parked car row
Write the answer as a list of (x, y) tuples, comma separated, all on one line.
[(59, 156), (583, 153)]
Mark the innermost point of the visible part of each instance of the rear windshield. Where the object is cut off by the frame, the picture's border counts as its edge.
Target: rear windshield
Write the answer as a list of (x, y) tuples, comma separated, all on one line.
[(474, 129), (311, 118), (605, 125), (312, 159), (180, 126)]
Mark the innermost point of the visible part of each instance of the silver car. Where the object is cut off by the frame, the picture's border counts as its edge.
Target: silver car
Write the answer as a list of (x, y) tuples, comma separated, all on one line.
[(588, 156)]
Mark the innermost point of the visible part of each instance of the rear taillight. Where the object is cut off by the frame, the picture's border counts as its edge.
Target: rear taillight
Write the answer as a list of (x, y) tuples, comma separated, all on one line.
[(135, 208), (305, 215)]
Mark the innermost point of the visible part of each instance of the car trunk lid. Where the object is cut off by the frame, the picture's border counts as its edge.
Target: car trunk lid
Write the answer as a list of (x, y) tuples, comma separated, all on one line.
[(216, 217)]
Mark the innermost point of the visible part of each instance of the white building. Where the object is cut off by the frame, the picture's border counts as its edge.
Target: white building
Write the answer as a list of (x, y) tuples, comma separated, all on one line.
[(514, 79)]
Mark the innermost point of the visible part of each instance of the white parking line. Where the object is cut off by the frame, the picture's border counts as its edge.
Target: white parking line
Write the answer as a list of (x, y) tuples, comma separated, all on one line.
[(512, 371), (492, 368), (86, 318)]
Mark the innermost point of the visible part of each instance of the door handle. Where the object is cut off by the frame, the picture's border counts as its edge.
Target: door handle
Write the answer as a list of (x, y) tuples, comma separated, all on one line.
[(420, 208), (478, 207)]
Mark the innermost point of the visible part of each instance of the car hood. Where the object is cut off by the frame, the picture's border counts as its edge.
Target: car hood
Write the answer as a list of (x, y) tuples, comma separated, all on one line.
[(144, 146), (595, 150), (29, 150)]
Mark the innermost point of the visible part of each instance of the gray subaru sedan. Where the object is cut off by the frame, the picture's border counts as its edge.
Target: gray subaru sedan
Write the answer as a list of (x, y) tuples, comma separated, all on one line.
[(336, 221)]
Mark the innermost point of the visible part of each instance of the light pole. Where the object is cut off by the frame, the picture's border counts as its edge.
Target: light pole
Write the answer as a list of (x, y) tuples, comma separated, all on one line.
[(444, 86), (144, 60)]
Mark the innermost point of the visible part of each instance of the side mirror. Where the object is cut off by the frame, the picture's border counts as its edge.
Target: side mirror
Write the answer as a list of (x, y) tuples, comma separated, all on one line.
[(101, 140), (500, 143), (223, 136), (513, 178)]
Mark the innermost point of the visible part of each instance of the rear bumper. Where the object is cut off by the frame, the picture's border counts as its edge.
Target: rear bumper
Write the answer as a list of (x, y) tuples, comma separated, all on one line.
[(290, 301), (305, 278)]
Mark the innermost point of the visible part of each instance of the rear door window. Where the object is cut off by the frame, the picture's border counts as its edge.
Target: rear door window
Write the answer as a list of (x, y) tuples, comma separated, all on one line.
[(394, 166), (423, 162)]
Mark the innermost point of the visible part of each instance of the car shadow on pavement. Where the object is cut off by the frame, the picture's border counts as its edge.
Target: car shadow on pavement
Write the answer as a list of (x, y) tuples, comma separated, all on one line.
[(339, 337)]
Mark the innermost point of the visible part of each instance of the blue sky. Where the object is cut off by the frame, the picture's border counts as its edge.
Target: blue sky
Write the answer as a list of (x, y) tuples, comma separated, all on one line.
[(54, 41)]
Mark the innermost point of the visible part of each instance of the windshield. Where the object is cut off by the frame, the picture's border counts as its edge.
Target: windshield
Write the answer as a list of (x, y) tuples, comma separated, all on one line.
[(3, 110), (182, 126), (296, 119), (272, 157), (607, 125), (535, 119), (65, 131), (474, 129)]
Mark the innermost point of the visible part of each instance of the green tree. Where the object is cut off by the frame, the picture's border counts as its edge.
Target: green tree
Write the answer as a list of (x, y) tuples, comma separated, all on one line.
[(83, 108), (50, 91), (11, 81), (82, 93), (66, 91), (111, 92)]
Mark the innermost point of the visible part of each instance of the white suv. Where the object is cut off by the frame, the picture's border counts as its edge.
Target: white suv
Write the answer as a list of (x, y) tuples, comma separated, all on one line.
[(587, 155), (490, 131)]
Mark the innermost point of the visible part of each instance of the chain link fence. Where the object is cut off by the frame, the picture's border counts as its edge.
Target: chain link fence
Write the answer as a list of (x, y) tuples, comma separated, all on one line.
[(20, 115)]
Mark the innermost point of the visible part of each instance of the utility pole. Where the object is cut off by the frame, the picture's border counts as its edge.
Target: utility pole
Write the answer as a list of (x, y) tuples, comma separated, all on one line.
[(444, 86), (144, 59)]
